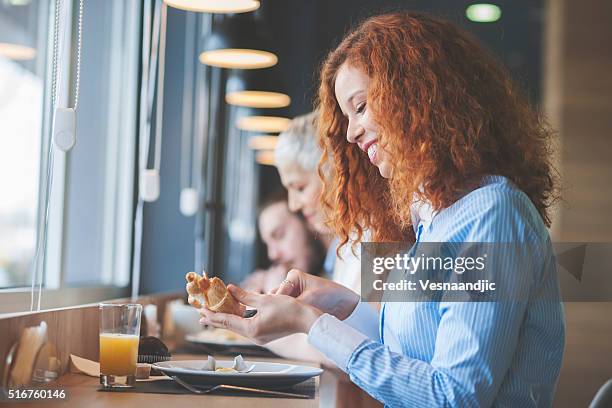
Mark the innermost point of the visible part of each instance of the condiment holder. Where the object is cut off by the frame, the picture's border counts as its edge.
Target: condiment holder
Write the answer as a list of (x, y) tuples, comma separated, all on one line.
[(31, 359)]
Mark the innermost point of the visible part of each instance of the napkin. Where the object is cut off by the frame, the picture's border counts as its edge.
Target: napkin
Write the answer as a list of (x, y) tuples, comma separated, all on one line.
[(92, 368), (84, 366)]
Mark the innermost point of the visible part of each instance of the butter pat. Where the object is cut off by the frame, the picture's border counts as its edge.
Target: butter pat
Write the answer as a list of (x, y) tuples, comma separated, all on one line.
[(143, 371)]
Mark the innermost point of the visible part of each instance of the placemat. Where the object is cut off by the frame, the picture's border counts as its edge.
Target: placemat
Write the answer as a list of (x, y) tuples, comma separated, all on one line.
[(307, 387)]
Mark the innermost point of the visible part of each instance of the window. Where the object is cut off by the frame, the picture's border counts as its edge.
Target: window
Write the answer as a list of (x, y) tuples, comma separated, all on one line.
[(100, 169), (90, 216), (23, 36)]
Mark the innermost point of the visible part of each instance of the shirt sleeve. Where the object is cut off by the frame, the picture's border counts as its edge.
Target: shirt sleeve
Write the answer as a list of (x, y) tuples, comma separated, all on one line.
[(466, 370), (335, 339), (338, 339), (364, 319)]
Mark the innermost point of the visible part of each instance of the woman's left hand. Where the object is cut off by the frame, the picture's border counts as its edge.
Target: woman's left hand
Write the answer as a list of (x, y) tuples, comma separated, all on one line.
[(277, 316)]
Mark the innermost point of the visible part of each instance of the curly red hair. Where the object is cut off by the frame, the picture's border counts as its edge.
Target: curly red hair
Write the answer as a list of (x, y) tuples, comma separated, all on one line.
[(447, 114)]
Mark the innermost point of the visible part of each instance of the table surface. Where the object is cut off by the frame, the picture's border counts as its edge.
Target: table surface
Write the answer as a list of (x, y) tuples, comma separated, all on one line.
[(82, 391)]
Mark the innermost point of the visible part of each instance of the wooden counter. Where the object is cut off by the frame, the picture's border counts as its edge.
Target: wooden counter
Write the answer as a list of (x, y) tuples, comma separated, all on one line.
[(83, 391), (75, 331)]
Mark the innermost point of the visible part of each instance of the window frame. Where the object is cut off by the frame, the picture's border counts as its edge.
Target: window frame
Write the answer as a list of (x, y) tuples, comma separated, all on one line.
[(119, 180)]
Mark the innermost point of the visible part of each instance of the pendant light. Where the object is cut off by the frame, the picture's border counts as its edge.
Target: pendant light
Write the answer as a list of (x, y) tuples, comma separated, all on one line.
[(14, 42), (256, 88), (215, 6), (272, 120), (263, 142), (16, 52), (265, 157), (483, 13), (236, 42), (265, 124)]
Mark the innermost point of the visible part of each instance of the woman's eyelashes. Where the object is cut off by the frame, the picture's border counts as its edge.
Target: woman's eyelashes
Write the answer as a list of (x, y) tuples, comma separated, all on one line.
[(278, 234), (297, 187), (360, 108)]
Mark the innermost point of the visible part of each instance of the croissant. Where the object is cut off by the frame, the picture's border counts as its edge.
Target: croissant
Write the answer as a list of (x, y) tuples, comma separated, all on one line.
[(211, 294)]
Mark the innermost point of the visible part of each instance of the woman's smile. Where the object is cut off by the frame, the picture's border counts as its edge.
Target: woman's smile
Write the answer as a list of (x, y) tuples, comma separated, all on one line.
[(371, 149)]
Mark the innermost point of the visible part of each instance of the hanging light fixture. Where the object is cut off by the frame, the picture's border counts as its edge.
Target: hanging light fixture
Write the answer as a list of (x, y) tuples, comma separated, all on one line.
[(265, 124), (265, 157), (255, 89), (14, 42), (483, 13), (235, 43), (258, 99), (215, 6), (238, 58), (17, 52), (263, 142), (268, 120)]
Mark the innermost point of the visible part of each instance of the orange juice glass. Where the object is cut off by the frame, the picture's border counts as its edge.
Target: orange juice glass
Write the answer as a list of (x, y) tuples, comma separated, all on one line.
[(119, 336)]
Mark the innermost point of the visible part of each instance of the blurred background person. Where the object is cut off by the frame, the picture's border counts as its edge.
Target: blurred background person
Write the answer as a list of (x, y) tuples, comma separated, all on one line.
[(297, 156), (290, 243)]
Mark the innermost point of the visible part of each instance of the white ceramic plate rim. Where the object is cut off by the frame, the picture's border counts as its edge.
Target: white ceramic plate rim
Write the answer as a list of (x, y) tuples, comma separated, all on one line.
[(284, 370)]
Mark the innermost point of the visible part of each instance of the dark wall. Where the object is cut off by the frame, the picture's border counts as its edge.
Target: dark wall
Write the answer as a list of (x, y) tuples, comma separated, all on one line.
[(168, 236), (305, 30)]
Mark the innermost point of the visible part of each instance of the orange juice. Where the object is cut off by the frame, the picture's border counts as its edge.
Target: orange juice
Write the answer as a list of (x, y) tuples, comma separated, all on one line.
[(118, 354)]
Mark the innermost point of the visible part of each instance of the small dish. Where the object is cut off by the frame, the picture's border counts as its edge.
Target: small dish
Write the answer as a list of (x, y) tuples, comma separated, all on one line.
[(263, 375)]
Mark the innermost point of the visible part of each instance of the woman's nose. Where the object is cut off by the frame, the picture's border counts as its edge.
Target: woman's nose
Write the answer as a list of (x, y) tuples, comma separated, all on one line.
[(293, 203), (273, 253), (353, 132)]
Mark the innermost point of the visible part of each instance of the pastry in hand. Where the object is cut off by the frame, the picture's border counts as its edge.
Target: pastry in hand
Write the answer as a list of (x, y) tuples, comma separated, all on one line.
[(211, 294)]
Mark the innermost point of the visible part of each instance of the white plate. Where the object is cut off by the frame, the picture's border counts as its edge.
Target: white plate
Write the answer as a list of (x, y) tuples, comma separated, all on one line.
[(265, 375)]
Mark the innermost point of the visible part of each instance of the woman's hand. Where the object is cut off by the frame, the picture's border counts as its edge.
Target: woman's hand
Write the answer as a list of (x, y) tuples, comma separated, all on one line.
[(323, 294), (277, 316)]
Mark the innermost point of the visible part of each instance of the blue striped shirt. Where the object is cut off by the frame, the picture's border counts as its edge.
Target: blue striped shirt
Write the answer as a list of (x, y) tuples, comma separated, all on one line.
[(461, 354)]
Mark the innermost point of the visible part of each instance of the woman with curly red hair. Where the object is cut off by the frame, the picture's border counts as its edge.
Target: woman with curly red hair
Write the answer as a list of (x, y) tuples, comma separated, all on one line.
[(428, 140)]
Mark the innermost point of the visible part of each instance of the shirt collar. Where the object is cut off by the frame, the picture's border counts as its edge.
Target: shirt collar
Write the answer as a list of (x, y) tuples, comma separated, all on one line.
[(421, 211)]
